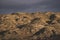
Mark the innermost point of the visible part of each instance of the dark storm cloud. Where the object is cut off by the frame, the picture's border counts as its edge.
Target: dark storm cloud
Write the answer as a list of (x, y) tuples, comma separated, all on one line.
[(7, 6)]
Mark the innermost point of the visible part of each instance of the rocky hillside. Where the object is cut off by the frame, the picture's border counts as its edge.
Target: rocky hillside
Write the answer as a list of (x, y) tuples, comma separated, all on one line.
[(30, 26)]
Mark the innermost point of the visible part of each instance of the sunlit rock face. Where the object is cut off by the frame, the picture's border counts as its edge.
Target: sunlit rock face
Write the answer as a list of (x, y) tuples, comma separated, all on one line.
[(30, 26)]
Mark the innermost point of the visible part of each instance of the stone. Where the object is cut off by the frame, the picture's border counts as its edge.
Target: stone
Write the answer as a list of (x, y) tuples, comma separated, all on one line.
[(30, 26)]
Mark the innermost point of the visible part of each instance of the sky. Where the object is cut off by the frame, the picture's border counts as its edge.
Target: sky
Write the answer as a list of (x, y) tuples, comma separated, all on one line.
[(10, 6)]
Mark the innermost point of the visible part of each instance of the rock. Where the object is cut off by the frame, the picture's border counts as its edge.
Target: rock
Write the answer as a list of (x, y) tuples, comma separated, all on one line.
[(30, 26)]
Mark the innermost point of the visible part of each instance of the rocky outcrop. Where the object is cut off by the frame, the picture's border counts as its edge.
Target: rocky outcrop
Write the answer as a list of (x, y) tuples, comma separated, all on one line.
[(30, 26)]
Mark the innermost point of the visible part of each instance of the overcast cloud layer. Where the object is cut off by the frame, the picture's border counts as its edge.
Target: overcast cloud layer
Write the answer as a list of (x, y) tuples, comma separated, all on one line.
[(9, 6)]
